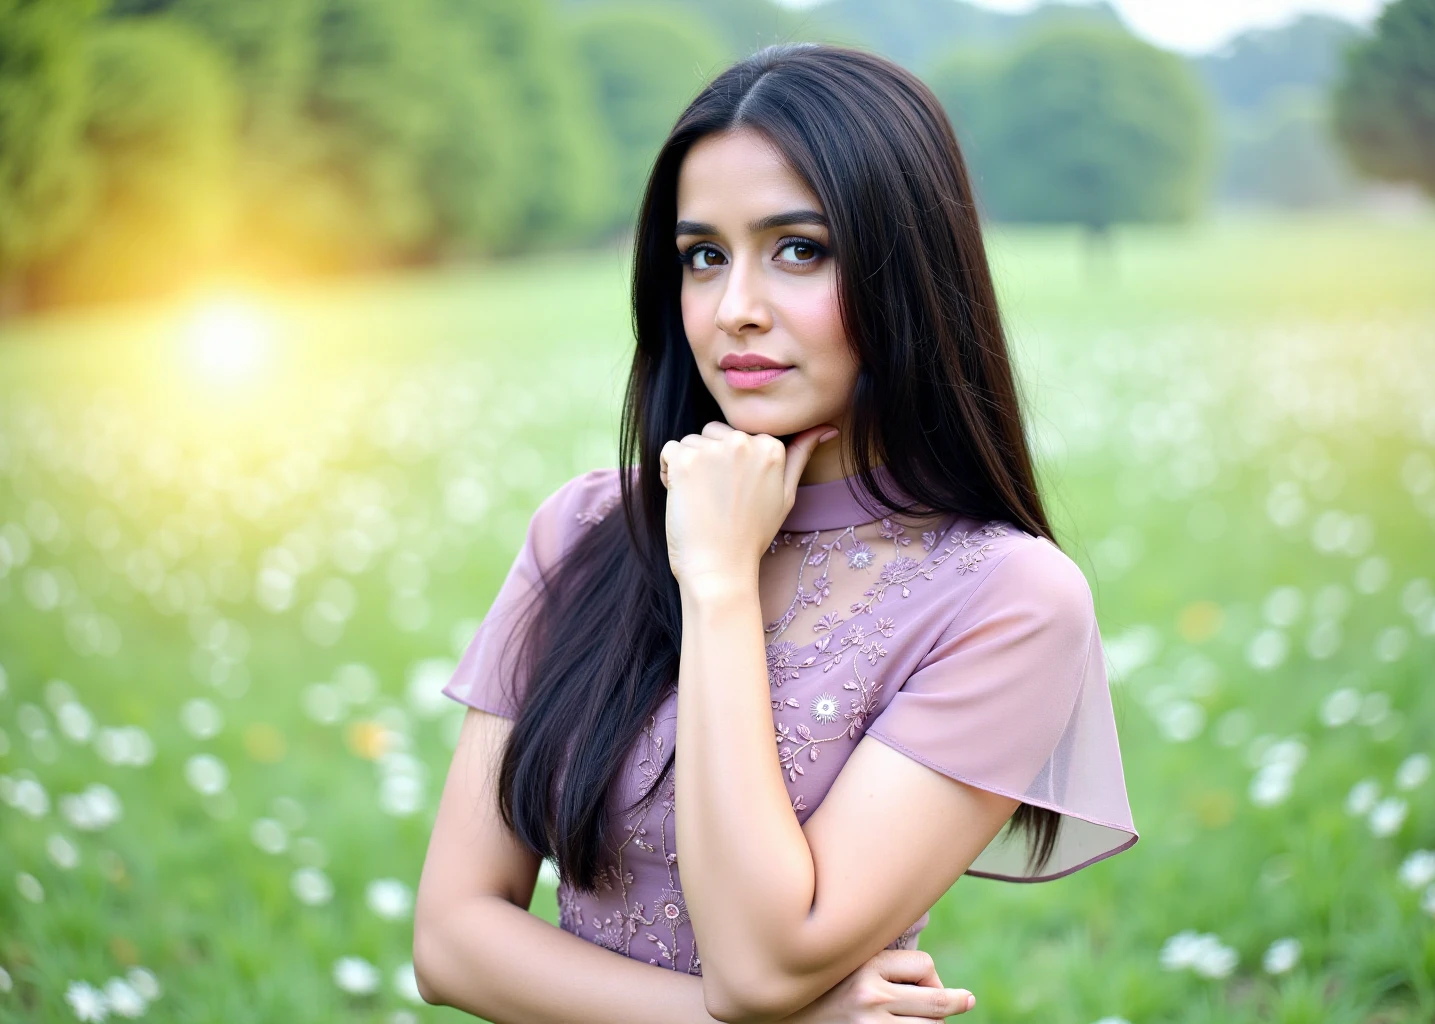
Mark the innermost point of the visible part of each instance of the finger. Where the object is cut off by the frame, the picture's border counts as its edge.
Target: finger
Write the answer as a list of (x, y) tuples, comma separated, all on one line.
[(907, 966), (668, 450), (693, 440), (798, 452), (923, 1004), (716, 429)]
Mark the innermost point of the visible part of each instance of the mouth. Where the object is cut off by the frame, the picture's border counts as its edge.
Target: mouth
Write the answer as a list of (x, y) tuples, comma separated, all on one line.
[(743, 378)]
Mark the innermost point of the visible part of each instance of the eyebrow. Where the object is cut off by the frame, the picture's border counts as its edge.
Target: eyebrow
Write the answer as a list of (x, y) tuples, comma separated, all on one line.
[(772, 220)]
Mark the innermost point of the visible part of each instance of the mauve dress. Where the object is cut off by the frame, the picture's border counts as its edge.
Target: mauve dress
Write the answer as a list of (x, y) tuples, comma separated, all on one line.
[(969, 646)]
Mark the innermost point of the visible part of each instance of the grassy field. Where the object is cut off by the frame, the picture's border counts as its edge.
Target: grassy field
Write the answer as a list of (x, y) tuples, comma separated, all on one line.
[(243, 540)]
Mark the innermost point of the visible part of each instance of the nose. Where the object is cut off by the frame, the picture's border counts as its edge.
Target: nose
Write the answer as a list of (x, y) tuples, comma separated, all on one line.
[(744, 305)]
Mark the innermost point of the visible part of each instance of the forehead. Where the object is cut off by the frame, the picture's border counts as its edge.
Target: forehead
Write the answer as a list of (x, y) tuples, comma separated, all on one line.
[(728, 177)]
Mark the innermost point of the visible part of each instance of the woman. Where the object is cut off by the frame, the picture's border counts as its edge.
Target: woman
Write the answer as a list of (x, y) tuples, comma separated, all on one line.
[(879, 593)]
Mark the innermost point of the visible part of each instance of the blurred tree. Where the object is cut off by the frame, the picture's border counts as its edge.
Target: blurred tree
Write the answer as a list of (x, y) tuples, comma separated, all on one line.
[(1087, 126), (1247, 70), (44, 193), (158, 141), (562, 157), (1385, 102), (379, 131), (646, 64), (1281, 153)]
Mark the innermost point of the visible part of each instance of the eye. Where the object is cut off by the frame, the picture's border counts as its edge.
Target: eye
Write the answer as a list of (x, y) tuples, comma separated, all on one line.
[(699, 256), (804, 250)]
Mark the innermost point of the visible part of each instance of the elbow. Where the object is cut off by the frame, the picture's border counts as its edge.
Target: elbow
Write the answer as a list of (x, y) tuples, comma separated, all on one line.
[(752, 999), (428, 961)]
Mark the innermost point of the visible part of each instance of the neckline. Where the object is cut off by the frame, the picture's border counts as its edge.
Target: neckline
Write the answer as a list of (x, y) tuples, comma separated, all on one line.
[(832, 504)]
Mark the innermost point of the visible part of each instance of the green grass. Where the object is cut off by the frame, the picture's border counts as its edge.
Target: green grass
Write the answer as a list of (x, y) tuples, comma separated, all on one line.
[(1237, 434)]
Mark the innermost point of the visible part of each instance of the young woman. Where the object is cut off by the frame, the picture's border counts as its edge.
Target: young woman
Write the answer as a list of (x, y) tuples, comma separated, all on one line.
[(830, 537)]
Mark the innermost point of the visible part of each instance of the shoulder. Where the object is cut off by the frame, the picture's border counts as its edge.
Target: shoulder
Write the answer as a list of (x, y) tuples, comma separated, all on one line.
[(577, 503), (1025, 573), (583, 499)]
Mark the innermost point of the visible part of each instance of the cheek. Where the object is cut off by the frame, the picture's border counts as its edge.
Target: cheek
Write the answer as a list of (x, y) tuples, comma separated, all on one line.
[(698, 317), (815, 323)]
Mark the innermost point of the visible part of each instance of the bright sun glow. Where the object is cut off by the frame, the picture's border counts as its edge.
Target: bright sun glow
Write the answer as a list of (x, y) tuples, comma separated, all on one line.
[(230, 338)]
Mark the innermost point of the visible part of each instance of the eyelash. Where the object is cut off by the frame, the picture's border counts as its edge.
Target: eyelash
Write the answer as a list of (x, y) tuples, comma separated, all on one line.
[(686, 256)]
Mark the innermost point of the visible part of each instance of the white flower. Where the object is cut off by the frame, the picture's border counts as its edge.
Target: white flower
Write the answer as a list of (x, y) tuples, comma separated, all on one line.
[(1418, 869), (311, 886), (1413, 771), (1281, 956), (96, 808), (206, 774), (29, 886), (825, 707), (5, 983), (201, 718), (406, 984), (143, 981), (1362, 797), (86, 1001), (389, 898), (1271, 785), (1340, 707), (62, 851), (1113, 1020), (269, 835), (28, 796), (356, 975), (123, 1000), (1387, 816), (1203, 953), (75, 721)]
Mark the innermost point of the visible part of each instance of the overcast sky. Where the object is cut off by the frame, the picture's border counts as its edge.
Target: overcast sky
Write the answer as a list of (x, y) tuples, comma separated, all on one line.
[(1196, 26)]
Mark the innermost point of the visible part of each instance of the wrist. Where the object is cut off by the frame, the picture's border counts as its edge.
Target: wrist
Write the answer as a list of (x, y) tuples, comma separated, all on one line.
[(718, 587)]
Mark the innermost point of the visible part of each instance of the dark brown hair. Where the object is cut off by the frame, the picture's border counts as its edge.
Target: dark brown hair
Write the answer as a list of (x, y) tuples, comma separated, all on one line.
[(935, 402)]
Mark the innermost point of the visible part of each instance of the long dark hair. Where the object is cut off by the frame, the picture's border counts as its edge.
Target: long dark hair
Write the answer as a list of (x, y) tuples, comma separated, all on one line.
[(935, 402)]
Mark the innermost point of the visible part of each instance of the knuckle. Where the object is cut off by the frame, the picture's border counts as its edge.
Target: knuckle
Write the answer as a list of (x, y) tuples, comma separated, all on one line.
[(868, 993)]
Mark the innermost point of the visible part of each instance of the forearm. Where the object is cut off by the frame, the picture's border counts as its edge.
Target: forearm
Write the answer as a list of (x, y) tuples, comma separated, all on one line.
[(748, 875), (498, 961)]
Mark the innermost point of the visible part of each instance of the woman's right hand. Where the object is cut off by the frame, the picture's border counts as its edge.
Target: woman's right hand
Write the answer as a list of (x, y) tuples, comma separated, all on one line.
[(895, 985)]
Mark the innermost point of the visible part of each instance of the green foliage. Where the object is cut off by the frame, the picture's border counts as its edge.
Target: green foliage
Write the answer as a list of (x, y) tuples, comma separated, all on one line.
[(1385, 103), (1281, 153), (43, 194), (158, 140), (1084, 125), (646, 63)]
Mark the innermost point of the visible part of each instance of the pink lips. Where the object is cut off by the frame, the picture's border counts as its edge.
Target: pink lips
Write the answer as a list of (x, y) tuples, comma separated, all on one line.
[(754, 378)]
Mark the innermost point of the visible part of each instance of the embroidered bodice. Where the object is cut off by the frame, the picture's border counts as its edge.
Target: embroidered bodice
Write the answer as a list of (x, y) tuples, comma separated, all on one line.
[(857, 610)]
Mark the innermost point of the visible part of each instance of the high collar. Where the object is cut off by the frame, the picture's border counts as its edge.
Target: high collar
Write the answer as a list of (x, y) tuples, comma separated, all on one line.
[(832, 505)]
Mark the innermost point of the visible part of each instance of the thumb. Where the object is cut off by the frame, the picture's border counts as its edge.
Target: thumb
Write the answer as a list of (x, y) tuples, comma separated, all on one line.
[(799, 451)]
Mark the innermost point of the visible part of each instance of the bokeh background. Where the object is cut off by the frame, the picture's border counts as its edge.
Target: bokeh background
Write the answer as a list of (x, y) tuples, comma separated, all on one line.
[(306, 304)]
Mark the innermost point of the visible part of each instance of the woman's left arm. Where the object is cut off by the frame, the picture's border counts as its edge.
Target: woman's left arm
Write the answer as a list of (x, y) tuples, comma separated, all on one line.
[(782, 911)]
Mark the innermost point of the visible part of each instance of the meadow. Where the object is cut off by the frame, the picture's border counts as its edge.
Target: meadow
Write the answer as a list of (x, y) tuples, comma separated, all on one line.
[(244, 538)]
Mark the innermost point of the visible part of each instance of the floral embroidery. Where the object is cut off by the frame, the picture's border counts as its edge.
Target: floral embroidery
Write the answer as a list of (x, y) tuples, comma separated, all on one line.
[(825, 707), (861, 707), (860, 556), (779, 662), (591, 517), (616, 932)]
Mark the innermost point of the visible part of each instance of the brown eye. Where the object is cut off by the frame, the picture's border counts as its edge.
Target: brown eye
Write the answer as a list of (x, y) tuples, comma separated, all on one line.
[(700, 257), (803, 251)]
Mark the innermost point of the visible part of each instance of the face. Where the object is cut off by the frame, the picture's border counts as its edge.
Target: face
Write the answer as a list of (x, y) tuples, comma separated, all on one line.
[(759, 291)]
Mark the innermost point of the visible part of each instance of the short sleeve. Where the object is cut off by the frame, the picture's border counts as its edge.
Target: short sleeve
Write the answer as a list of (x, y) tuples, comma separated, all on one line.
[(1013, 699), (487, 676)]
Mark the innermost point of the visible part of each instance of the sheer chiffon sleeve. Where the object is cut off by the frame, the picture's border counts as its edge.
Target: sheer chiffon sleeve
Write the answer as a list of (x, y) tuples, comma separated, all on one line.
[(1014, 699), (488, 676)]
